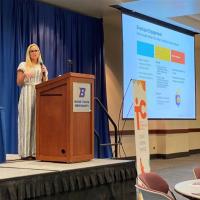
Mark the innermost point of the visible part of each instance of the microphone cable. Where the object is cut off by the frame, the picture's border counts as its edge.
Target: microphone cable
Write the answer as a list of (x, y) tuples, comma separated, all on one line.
[(123, 129)]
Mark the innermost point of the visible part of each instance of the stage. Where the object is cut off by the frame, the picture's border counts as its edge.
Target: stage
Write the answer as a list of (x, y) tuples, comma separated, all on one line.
[(98, 179)]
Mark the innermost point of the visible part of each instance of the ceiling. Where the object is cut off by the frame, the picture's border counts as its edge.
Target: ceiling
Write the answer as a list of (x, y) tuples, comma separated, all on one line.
[(95, 8), (184, 12), (165, 8)]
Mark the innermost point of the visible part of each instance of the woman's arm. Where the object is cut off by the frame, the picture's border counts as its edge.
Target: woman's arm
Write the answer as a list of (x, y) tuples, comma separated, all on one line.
[(20, 77)]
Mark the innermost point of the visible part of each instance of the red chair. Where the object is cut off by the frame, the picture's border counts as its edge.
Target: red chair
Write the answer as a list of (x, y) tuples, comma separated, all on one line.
[(196, 171), (156, 183), (148, 194)]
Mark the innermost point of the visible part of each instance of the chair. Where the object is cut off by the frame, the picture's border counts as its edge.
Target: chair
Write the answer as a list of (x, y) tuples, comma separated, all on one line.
[(148, 193), (152, 181), (196, 172)]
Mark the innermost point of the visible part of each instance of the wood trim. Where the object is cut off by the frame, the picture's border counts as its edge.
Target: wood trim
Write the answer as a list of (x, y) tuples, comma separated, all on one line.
[(161, 131), (166, 156), (60, 79), (194, 151)]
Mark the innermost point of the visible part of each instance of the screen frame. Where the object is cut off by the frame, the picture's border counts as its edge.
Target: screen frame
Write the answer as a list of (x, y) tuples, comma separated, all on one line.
[(165, 25)]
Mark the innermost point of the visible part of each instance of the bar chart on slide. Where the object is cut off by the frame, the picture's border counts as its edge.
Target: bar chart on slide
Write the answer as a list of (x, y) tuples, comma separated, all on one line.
[(160, 52)]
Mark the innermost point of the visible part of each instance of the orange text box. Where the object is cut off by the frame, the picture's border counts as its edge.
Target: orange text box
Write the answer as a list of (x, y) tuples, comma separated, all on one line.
[(178, 57)]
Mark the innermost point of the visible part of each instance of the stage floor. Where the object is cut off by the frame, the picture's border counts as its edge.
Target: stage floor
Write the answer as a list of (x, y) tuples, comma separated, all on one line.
[(95, 179)]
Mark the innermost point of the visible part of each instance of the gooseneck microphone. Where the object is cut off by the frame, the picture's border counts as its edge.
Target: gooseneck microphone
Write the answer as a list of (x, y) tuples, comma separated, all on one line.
[(70, 63), (41, 63)]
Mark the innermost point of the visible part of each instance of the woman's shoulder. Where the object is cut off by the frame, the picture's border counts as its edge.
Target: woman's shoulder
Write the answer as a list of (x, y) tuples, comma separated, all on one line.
[(22, 66), (22, 63)]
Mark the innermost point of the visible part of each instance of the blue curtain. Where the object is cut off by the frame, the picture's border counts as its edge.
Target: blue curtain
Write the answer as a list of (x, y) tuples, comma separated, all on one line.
[(62, 36)]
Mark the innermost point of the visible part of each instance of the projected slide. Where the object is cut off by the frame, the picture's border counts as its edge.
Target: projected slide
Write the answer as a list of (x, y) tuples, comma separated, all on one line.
[(164, 58)]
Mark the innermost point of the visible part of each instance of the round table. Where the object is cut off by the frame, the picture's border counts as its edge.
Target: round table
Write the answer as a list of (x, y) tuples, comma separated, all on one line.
[(189, 189)]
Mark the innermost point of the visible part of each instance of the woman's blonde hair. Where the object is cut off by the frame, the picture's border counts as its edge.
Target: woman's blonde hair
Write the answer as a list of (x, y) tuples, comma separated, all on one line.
[(28, 59)]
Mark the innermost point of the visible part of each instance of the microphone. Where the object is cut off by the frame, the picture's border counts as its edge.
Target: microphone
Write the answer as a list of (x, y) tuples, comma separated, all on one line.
[(70, 63), (41, 63)]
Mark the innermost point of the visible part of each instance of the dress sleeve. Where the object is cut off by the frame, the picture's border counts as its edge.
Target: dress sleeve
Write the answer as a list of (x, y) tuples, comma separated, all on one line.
[(21, 67)]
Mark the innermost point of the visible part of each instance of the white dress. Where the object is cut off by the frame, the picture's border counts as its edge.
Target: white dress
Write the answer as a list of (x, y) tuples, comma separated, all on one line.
[(26, 109)]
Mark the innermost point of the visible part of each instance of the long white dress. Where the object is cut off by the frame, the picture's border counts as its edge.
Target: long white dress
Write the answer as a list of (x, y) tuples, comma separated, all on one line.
[(26, 111)]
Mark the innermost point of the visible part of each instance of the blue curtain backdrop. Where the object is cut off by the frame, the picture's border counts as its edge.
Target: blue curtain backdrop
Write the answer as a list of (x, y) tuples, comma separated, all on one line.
[(62, 35)]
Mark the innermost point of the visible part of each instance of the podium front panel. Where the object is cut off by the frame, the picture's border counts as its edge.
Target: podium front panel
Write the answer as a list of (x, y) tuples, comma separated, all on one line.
[(63, 135)]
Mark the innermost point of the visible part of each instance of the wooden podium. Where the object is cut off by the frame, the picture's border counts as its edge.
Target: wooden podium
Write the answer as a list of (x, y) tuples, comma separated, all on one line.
[(65, 118)]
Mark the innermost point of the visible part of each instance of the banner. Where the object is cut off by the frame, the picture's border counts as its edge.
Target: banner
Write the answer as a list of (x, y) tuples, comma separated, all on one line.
[(141, 127)]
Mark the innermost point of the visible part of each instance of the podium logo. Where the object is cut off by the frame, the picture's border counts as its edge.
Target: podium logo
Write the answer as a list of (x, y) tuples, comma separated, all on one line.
[(139, 111), (82, 92)]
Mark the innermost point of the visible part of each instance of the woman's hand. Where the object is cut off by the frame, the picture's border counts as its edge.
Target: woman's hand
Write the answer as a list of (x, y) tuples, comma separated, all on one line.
[(44, 73), (44, 70), (28, 75), (23, 75)]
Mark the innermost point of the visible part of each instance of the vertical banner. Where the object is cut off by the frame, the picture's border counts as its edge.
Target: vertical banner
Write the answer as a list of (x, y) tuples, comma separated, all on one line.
[(141, 126)]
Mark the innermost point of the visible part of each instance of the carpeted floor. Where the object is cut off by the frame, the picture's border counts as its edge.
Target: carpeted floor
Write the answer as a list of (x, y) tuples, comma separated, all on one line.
[(176, 170)]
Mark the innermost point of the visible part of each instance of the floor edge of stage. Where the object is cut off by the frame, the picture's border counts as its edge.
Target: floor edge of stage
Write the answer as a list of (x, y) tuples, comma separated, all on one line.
[(97, 179)]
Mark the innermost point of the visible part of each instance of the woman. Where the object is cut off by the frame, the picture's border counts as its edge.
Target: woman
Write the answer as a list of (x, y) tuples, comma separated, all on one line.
[(29, 74)]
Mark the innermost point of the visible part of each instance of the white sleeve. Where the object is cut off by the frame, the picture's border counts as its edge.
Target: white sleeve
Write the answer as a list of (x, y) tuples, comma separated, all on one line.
[(22, 66)]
